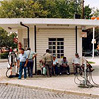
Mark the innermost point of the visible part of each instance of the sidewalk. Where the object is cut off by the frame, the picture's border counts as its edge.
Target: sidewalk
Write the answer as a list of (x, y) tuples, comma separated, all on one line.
[(3, 60), (64, 83)]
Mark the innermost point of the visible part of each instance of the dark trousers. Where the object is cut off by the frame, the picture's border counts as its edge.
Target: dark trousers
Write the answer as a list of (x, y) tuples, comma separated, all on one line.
[(76, 67), (49, 70), (64, 69), (30, 68), (55, 70), (21, 70)]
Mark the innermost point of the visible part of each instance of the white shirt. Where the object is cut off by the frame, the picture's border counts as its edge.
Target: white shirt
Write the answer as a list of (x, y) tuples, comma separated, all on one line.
[(30, 54), (22, 57), (55, 62), (76, 60)]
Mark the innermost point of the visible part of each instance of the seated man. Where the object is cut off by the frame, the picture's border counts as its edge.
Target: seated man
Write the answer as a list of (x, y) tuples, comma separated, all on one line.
[(76, 64), (64, 67), (85, 62), (55, 65)]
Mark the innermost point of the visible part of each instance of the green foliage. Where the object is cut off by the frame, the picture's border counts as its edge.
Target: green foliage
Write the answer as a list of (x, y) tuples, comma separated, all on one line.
[(21, 9), (96, 13), (42, 9), (90, 62), (87, 13), (7, 40), (3, 37), (10, 40), (3, 55)]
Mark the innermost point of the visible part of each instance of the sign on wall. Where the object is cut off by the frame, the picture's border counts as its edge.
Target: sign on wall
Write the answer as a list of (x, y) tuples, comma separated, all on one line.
[(84, 34)]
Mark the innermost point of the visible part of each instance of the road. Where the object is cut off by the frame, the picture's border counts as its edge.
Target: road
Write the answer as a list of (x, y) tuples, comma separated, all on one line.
[(15, 92)]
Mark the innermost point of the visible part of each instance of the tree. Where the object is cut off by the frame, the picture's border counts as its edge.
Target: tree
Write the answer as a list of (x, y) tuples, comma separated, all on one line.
[(41, 8), (96, 13), (7, 40), (3, 37), (11, 42), (88, 12), (21, 9)]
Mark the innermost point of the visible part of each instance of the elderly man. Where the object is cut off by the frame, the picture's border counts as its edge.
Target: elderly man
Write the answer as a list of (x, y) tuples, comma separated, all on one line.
[(76, 64), (48, 61), (31, 55), (23, 60)]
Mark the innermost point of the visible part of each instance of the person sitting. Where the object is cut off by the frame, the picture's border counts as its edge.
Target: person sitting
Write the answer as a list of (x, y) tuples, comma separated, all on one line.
[(55, 65), (64, 67), (85, 62), (76, 64)]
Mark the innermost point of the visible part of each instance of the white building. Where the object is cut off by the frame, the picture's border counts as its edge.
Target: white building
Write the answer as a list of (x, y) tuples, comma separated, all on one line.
[(61, 36)]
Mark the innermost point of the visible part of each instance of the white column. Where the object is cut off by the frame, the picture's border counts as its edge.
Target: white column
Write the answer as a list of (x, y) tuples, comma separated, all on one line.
[(93, 41)]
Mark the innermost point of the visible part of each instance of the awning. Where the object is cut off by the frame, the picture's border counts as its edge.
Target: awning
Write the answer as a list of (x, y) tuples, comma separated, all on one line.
[(11, 24)]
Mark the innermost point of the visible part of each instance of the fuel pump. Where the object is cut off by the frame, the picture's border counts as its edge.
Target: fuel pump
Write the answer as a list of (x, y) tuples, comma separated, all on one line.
[(12, 65)]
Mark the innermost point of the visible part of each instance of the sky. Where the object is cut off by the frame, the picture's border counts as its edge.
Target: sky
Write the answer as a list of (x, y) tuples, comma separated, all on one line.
[(92, 3)]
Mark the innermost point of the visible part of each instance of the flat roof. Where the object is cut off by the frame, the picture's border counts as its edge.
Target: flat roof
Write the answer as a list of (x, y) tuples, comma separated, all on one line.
[(15, 22)]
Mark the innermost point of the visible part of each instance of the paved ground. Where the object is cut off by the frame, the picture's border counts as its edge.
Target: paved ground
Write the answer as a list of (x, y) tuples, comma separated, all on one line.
[(64, 84), (3, 68), (15, 92)]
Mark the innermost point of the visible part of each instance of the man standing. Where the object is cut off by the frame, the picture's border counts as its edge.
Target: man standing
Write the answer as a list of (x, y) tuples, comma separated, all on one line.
[(23, 60), (48, 60), (31, 55)]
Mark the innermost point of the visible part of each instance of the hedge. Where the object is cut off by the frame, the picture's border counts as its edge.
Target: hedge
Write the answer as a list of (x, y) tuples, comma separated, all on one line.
[(3, 55)]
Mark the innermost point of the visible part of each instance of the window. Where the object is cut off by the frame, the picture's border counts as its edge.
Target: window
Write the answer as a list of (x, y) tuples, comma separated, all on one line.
[(56, 46)]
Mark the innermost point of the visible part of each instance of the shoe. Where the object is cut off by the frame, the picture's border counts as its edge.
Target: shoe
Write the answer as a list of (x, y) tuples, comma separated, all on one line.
[(68, 73), (19, 78)]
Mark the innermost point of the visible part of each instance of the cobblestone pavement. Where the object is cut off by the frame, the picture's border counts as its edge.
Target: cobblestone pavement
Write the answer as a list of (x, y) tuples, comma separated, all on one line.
[(15, 92)]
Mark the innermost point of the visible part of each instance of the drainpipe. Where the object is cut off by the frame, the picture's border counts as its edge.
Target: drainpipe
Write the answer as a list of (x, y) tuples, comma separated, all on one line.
[(35, 48), (27, 33), (76, 38)]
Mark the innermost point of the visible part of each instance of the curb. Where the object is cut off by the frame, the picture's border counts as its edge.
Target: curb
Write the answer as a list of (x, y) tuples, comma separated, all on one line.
[(3, 60), (53, 90)]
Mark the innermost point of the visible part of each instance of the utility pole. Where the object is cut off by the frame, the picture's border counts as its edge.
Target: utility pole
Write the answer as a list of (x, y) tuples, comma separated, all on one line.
[(83, 9)]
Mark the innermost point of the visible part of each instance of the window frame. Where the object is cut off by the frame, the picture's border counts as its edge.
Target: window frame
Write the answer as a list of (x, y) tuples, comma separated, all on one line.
[(56, 40)]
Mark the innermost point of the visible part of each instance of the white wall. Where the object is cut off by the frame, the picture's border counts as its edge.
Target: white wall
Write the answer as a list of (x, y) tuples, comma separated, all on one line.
[(69, 42), (42, 41), (22, 33)]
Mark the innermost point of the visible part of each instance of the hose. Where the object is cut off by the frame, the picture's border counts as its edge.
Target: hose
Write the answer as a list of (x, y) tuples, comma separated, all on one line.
[(89, 79), (7, 72), (95, 84)]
